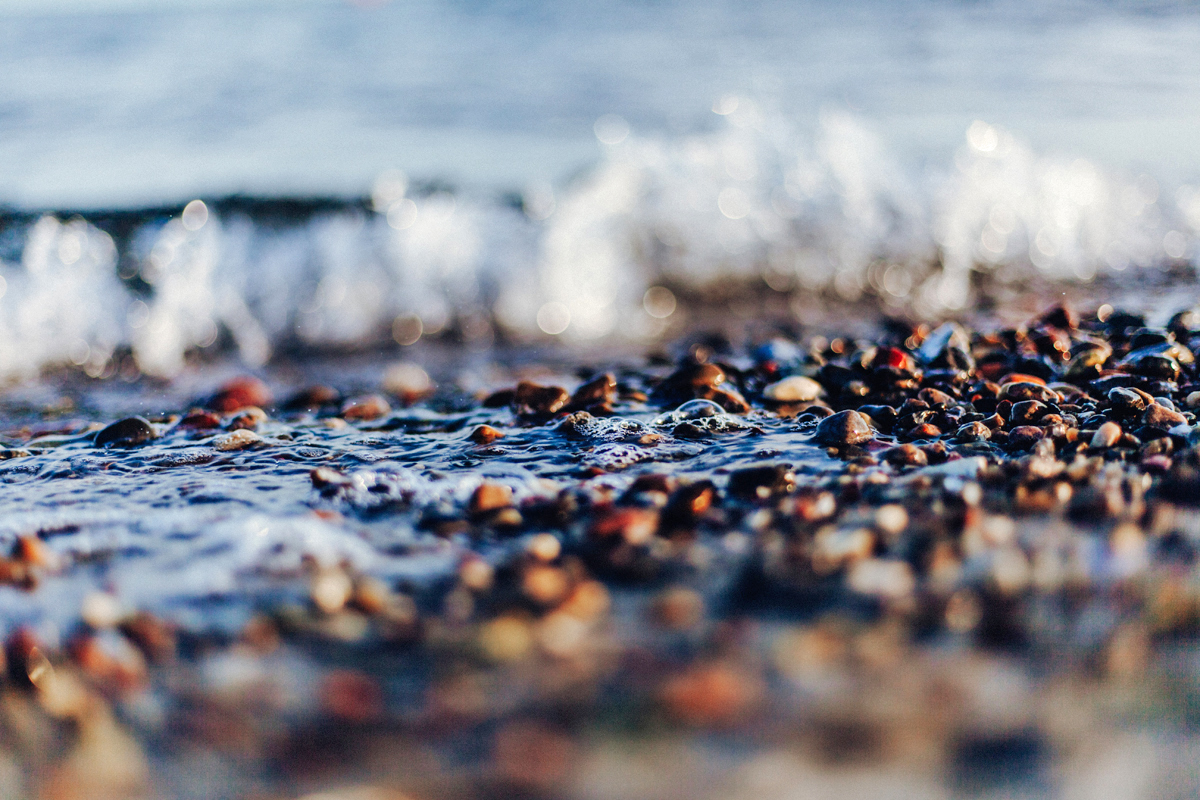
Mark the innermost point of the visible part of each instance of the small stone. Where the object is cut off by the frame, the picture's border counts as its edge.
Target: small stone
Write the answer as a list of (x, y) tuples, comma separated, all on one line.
[(729, 400), (490, 497), (973, 432), (1128, 401), (906, 455), (530, 398), (1107, 435), (600, 390), (486, 434), (796, 389), (1026, 389), (240, 393), (366, 407), (248, 418), (1026, 412), (844, 428), (926, 430), (633, 525), (935, 398), (1159, 416), (238, 440), (129, 432), (1024, 436), (200, 420)]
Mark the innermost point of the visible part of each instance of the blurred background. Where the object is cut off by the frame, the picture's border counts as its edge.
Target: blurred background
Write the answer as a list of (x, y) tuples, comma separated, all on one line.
[(375, 171)]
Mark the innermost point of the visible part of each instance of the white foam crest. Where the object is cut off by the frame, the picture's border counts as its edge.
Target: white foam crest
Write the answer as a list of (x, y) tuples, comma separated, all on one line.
[(757, 201), (63, 304)]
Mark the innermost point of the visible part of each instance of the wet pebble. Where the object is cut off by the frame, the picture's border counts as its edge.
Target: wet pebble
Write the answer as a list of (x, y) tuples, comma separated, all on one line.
[(366, 408), (1159, 416), (129, 432), (239, 393), (1107, 435), (238, 440), (486, 434), (796, 389), (844, 428)]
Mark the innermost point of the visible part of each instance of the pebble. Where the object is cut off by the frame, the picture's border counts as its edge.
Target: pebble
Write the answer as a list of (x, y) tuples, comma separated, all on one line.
[(1025, 436), (1107, 435), (239, 393), (490, 497), (844, 428), (906, 455), (366, 407), (601, 390), (530, 398), (486, 434), (238, 440), (129, 432), (249, 418), (796, 389), (1159, 416), (973, 432)]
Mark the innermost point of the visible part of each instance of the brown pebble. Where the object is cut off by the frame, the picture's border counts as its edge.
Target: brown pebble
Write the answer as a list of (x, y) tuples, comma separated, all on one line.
[(1159, 416), (490, 497), (366, 407), (1028, 390), (906, 455), (1024, 436), (973, 432), (486, 434), (155, 638), (1107, 435), (598, 391), (1026, 412), (926, 430), (844, 428), (634, 525), (200, 420), (729, 400), (248, 418), (530, 398), (240, 393)]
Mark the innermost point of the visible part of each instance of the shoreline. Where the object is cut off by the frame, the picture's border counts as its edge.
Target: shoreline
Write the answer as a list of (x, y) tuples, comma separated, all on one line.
[(950, 562)]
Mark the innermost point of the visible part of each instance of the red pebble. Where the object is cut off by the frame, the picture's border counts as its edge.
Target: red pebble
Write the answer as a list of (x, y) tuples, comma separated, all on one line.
[(893, 357), (239, 393)]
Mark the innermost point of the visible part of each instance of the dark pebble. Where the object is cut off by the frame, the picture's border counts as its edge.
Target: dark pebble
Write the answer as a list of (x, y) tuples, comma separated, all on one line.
[(1024, 436), (906, 455), (128, 432)]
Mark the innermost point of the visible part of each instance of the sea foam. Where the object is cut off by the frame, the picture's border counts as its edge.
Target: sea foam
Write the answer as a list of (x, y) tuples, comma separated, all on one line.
[(757, 204)]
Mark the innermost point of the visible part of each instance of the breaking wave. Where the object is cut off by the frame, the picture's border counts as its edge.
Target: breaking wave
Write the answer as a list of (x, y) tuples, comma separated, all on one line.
[(757, 205)]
